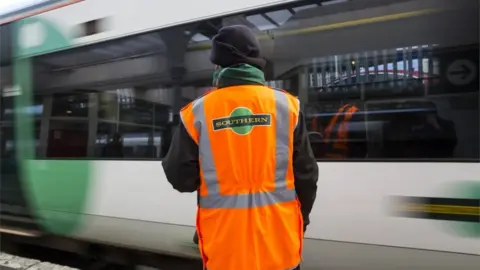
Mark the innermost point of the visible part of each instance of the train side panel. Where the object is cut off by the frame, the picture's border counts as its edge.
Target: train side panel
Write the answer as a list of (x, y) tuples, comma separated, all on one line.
[(356, 202)]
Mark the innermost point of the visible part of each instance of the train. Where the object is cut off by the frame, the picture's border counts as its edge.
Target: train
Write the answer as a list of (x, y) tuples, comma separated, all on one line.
[(91, 92)]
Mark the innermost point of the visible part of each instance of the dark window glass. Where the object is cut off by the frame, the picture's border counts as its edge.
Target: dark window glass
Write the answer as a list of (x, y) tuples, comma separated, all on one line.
[(137, 141), (67, 139), (134, 110), (7, 130), (9, 182), (7, 120), (131, 128), (163, 115), (108, 106), (70, 105), (405, 76), (7, 109), (109, 142), (61, 124), (126, 141), (415, 92), (6, 42)]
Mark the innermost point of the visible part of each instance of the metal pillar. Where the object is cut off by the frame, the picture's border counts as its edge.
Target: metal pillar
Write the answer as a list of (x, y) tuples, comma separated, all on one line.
[(303, 87), (176, 40), (93, 100)]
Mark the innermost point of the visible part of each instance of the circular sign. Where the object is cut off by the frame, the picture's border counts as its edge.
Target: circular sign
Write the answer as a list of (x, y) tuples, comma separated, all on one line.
[(461, 72)]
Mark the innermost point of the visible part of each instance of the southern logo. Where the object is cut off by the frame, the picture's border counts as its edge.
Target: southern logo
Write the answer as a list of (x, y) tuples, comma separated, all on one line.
[(242, 121)]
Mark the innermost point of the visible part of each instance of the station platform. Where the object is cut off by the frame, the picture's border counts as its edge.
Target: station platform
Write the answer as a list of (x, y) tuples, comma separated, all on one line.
[(12, 262)]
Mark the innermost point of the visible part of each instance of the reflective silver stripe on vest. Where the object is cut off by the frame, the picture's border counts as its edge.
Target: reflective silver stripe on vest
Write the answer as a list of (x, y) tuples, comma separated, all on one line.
[(281, 194)]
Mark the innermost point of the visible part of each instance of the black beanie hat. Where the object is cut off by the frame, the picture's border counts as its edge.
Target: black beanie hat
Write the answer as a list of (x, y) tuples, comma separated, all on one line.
[(236, 44)]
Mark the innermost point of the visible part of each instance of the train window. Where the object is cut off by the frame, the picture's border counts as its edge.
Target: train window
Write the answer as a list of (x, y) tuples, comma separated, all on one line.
[(376, 93), (6, 43), (70, 105), (61, 124), (377, 80), (127, 124), (67, 138), (101, 123)]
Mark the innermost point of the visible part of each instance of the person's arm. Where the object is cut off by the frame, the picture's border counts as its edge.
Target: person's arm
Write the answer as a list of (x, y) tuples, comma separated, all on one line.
[(305, 170), (181, 164)]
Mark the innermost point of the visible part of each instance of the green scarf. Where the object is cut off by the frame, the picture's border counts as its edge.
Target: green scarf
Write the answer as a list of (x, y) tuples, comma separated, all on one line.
[(241, 74)]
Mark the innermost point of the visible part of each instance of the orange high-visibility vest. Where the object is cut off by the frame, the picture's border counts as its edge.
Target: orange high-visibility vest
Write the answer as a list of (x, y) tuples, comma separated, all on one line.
[(248, 216), (336, 133)]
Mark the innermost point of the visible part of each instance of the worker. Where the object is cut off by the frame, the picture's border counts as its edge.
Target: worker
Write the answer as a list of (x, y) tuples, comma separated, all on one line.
[(341, 141), (244, 147)]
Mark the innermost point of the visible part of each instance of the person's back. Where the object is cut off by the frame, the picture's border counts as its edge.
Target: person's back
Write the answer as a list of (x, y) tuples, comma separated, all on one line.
[(249, 177), (245, 149)]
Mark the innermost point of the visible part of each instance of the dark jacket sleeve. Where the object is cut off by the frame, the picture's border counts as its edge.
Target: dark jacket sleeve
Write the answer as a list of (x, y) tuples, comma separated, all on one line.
[(305, 169), (181, 164)]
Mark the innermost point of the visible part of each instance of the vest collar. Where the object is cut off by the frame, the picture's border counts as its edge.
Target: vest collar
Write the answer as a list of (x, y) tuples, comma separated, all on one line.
[(241, 74)]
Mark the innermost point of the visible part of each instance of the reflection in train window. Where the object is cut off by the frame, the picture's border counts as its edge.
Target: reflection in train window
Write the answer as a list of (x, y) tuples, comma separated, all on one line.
[(8, 110), (136, 111), (7, 147), (67, 139), (130, 125), (373, 84), (70, 105), (7, 153), (398, 113), (407, 96), (127, 141)]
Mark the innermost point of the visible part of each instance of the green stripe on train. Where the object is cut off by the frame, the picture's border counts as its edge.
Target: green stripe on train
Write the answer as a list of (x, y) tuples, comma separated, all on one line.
[(468, 190), (56, 189)]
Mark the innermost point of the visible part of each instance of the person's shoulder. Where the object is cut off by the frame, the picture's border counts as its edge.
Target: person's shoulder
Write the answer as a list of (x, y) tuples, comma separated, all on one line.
[(284, 91), (292, 101)]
